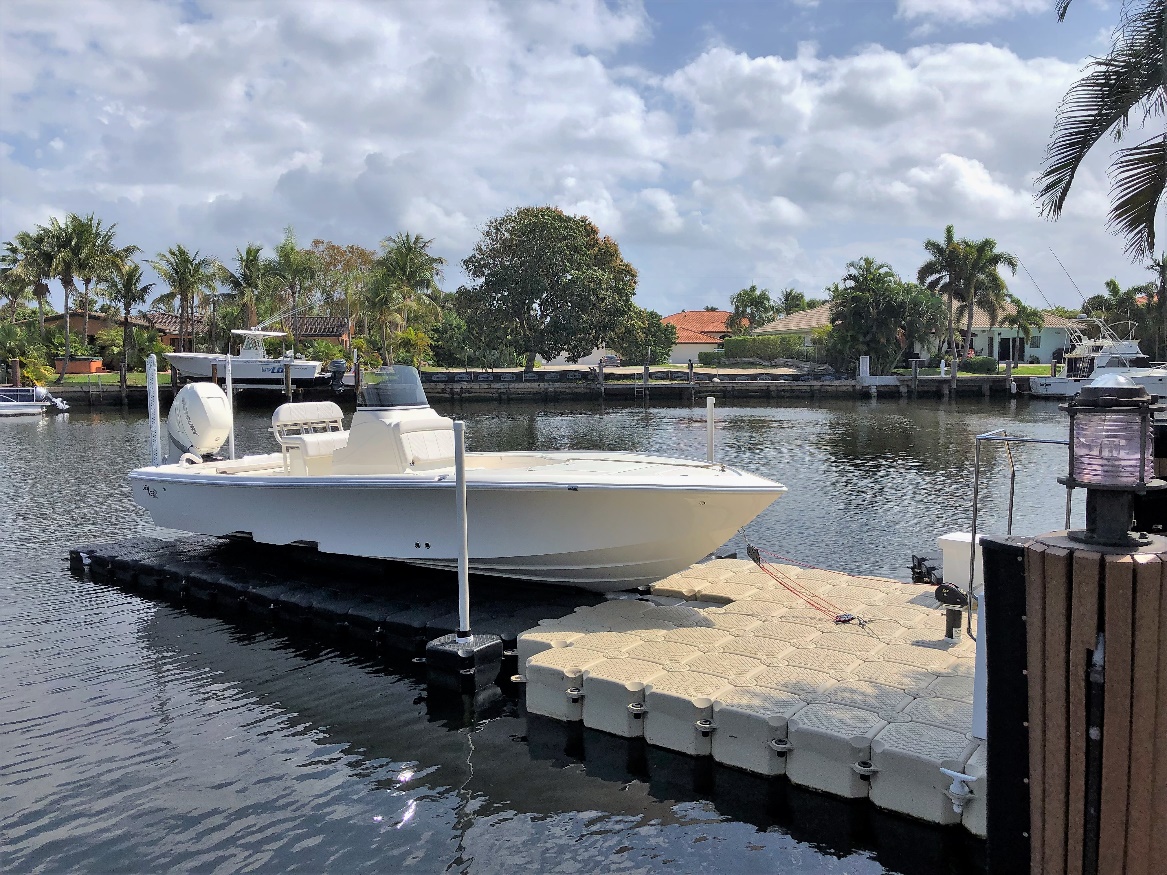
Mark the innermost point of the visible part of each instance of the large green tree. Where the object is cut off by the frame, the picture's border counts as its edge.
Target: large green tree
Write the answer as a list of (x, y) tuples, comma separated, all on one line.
[(875, 313), (940, 274), (189, 277), (403, 281), (981, 284), (247, 283), (548, 281), (1128, 81), (27, 257), (124, 286), (293, 271), (1026, 321), (752, 308), (642, 338)]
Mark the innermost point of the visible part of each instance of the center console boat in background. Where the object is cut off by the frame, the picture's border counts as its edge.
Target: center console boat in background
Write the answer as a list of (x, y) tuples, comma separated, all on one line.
[(252, 368), (385, 488)]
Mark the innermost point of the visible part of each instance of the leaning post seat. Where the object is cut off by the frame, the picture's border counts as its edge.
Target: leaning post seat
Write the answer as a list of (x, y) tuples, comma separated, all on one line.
[(308, 433), (396, 441)]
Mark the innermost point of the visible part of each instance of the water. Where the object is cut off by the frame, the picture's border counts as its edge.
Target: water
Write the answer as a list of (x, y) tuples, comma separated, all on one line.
[(138, 737)]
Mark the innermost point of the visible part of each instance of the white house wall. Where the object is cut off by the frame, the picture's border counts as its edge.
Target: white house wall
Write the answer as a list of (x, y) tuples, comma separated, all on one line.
[(683, 352)]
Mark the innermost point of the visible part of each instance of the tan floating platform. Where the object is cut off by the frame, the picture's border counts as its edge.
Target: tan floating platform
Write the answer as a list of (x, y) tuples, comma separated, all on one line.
[(722, 660)]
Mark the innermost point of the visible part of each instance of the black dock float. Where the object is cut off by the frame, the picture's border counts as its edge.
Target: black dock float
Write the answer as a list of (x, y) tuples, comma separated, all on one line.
[(363, 604)]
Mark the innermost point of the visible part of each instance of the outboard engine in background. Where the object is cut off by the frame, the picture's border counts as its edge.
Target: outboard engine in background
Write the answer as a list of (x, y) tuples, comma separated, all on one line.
[(338, 368), (199, 421)]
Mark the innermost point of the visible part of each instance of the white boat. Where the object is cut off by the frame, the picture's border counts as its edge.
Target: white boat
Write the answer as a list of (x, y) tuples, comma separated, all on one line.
[(385, 488), (252, 368), (28, 401), (1091, 357)]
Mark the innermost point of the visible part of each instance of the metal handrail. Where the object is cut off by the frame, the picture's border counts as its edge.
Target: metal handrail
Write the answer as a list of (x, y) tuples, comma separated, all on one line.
[(1000, 435)]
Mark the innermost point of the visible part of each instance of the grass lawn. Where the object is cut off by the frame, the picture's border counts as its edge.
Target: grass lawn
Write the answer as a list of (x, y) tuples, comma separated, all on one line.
[(1018, 371), (133, 378)]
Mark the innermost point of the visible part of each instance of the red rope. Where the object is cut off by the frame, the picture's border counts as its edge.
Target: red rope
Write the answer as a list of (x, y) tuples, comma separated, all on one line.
[(813, 600)]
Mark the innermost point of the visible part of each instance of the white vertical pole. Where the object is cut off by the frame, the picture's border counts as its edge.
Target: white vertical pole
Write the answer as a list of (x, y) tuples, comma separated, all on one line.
[(152, 409), (230, 407), (709, 422), (463, 549)]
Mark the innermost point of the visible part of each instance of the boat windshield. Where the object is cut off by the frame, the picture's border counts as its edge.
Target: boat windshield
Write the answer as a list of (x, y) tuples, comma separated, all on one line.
[(394, 386)]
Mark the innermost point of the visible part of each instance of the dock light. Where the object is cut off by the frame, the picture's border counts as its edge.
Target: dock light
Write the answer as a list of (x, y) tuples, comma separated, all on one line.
[(1112, 457)]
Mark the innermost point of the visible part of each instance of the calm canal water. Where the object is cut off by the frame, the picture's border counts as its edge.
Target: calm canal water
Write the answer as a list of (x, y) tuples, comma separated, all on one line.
[(138, 737)]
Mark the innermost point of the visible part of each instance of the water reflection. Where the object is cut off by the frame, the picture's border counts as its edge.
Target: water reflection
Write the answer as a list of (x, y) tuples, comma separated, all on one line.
[(140, 738)]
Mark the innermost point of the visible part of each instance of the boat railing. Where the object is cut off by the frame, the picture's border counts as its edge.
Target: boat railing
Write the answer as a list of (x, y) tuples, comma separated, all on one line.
[(1001, 435)]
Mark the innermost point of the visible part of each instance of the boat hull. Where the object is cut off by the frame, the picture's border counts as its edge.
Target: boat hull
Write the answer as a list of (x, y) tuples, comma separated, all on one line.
[(1154, 381), (247, 373), (23, 408), (584, 536)]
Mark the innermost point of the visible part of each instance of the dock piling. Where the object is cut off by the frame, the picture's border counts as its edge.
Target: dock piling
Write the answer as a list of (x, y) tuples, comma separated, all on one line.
[(152, 408), (230, 408), (710, 454)]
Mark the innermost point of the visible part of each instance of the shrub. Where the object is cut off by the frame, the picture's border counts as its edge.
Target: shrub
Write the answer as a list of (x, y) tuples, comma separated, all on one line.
[(765, 347), (714, 359), (981, 364)]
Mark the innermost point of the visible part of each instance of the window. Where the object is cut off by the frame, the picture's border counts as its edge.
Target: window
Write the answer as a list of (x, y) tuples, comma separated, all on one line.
[(1035, 342)]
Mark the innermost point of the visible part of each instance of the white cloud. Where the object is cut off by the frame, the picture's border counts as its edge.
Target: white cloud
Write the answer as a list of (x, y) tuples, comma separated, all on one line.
[(969, 11), (352, 121)]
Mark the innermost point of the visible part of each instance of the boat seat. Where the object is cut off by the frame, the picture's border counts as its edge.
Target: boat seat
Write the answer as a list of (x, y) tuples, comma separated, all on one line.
[(426, 443), (308, 433), (396, 442)]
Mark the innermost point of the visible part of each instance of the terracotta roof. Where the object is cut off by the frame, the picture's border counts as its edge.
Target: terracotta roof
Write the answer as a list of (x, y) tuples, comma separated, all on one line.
[(319, 326), (688, 335), (808, 320), (708, 322), (167, 323)]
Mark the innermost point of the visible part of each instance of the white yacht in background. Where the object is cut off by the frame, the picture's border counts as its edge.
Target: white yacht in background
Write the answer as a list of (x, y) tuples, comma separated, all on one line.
[(1092, 357), (385, 488), (252, 368), (32, 401)]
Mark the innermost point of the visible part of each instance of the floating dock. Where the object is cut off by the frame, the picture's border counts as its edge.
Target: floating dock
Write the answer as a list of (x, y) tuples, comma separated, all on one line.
[(722, 661)]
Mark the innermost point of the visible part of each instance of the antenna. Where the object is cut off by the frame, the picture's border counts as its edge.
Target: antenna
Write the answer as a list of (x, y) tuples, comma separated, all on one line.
[(1067, 273), (1048, 303)]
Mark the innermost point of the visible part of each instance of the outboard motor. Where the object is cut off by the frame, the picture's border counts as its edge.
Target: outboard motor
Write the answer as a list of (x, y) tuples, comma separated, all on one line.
[(198, 423), (338, 368), (42, 394)]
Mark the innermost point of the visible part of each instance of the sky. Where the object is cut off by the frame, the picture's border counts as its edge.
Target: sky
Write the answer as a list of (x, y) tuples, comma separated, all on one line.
[(721, 144)]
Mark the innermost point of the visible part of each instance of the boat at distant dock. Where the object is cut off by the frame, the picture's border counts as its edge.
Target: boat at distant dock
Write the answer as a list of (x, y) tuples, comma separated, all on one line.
[(252, 368), (31, 401), (1092, 357), (385, 488)]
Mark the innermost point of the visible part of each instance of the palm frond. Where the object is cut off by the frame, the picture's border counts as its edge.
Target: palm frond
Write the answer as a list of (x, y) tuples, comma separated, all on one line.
[(1138, 176), (1102, 100)]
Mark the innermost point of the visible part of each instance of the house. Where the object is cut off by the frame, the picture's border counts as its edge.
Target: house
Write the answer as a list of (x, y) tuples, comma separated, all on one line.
[(166, 324), (697, 331), (989, 337), (98, 322), (334, 329)]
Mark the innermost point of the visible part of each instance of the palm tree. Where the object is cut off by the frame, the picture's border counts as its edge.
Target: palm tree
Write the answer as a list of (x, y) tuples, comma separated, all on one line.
[(1156, 307), (66, 249), (1129, 80), (25, 255), (940, 274), (247, 282), (405, 278), (292, 270), (188, 276), (1026, 321), (98, 257), (123, 285), (980, 283)]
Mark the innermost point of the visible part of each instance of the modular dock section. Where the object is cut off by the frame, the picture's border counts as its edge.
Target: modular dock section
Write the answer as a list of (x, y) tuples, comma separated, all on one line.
[(721, 662)]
